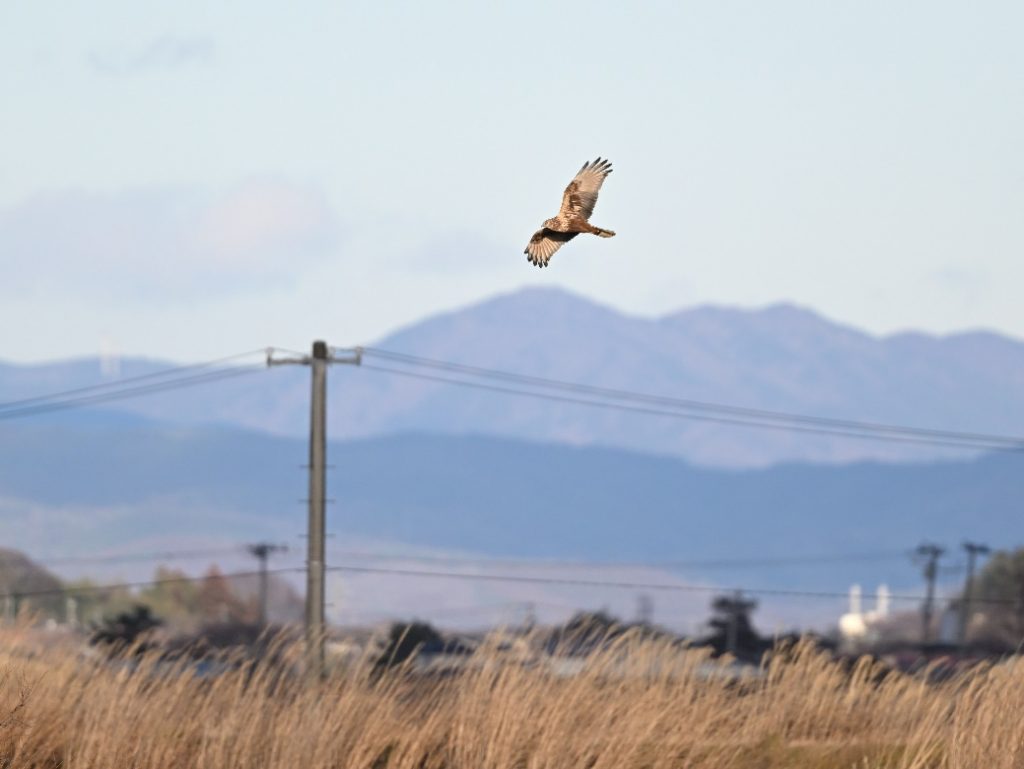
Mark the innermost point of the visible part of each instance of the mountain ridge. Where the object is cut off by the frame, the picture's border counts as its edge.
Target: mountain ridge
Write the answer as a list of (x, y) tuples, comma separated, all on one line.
[(780, 357)]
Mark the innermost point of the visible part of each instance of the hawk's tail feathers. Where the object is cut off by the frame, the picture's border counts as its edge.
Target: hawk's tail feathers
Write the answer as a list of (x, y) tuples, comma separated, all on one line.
[(603, 233)]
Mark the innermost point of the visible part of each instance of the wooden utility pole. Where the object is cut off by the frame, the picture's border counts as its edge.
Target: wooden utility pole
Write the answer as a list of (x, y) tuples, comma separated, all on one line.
[(322, 356), (973, 549), (263, 551), (931, 554)]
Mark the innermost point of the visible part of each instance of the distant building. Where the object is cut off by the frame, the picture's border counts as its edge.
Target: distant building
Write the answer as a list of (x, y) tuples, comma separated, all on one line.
[(858, 627)]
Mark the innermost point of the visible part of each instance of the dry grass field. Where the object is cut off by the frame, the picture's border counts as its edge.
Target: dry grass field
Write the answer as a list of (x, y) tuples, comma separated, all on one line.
[(637, 705)]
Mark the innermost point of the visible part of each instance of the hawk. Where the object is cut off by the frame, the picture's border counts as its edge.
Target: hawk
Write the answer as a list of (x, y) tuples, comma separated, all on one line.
[(577, 205)]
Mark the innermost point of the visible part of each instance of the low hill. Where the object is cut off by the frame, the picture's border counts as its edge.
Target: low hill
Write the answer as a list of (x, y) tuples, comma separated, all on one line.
[(85, 489)]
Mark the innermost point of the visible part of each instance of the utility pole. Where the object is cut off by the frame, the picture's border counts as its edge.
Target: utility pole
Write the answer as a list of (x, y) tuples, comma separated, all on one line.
[(263, 551), (736, 608), (530, 618), (644, 609), (71, 611), (322, 356), (732, 629), (931, 554), (973, 549)]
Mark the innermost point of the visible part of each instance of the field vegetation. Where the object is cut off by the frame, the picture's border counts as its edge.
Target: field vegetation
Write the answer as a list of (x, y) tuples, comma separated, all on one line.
[(638, 703)]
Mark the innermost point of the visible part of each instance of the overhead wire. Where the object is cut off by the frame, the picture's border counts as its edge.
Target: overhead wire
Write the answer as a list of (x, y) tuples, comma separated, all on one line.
[(894, 438), (514, 562), (79, 589), (122, 381), (688, 403), (621, 400), (155, 556), (378, 614), (486, 577), (625, 584), (682, 402), (716, 563), (129, 392)]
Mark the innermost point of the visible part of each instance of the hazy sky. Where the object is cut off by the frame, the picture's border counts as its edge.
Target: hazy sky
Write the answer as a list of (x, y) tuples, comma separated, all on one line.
[(191, 179)]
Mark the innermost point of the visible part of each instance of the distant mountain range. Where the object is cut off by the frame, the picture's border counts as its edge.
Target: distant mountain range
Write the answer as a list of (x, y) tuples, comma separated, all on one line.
[(81, 486), (781, 358)]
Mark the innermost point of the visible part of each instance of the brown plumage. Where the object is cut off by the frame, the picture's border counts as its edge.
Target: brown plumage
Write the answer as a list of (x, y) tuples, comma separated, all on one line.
[(573, 217)]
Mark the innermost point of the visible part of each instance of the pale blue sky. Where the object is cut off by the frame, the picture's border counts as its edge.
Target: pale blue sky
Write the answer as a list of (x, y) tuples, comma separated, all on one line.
[(191, 179)]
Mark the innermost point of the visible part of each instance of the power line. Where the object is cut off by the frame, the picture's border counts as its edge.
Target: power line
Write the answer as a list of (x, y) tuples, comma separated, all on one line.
[(516, 578), (78, 589), (698, 417), (130, 392), (441, 611), (740, 562), (119, 383), (163, 555), (628, 585), (1011, 442)]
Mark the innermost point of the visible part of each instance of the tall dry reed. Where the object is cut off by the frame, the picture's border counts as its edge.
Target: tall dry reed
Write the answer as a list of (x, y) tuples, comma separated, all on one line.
[(637, 704)]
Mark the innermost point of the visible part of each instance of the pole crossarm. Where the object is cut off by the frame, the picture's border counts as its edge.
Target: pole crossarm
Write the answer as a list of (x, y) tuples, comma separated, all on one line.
[(265, 549), (352, 356)]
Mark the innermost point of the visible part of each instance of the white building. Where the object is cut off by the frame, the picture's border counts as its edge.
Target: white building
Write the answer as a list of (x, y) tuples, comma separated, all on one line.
[(856, 626)]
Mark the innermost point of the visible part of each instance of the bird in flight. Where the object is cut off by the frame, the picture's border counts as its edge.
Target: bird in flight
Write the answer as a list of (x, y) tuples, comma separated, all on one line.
[(573, 217)]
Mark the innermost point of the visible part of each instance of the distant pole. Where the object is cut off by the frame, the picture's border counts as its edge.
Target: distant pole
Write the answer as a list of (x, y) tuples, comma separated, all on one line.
[(318, 362), (263, 551), (644, 609), (931, 554), (530, 619), (733, 628), (973, 549)]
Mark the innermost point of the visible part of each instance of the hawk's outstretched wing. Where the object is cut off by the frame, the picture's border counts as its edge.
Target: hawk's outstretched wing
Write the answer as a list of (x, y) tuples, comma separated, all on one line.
[(580, 196), (544, 243)]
